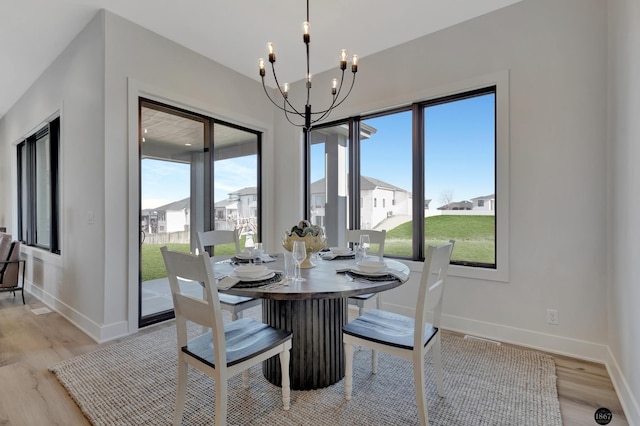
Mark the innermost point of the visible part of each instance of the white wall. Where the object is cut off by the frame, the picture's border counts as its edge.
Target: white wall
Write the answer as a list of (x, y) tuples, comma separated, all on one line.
[(96, 83), (623, 201), (73, 282), (555, 55), (141, 63)]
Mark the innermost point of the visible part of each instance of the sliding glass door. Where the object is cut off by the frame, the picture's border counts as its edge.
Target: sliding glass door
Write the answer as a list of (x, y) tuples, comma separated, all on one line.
[(196, 174)]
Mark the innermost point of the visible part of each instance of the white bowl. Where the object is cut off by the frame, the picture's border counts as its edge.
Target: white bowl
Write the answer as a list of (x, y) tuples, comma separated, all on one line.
[(371, 266), (340, 250), (251, 271), (243, 255)]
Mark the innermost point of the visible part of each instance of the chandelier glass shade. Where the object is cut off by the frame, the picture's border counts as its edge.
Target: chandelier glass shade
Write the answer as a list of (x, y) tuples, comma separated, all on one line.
[(297, 116)]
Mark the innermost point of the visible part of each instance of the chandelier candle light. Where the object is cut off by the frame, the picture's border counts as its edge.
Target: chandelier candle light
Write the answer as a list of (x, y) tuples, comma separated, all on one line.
[(309, 117)]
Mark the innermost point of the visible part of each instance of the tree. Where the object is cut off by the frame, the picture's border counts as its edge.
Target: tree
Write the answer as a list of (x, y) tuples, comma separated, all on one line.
[(446, 197)]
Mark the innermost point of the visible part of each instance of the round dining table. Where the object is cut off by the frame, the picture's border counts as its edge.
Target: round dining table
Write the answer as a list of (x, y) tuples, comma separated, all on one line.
[(315, 311)]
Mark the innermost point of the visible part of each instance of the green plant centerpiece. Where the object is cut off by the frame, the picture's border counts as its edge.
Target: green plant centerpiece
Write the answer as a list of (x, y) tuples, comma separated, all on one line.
[(313, 237)]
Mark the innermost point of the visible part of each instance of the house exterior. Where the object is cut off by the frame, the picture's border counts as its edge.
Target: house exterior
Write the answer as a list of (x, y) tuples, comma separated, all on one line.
[(240, 210), (485, 203), (380, 200), (172, 217)]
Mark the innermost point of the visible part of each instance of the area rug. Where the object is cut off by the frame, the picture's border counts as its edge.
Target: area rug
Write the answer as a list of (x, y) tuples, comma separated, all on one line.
[(133, 383)]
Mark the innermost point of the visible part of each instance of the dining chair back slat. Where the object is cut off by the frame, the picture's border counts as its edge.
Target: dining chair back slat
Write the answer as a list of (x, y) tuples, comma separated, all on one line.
[(375, 237), (209, 239), (216, 237)]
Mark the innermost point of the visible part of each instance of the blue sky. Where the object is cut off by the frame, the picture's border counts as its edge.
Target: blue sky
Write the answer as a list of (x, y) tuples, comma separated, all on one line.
[(460, 157), (460, 160), (164, 182)]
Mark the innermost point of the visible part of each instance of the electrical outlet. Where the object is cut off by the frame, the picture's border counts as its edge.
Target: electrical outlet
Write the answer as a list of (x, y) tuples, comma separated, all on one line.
[(552, 316)]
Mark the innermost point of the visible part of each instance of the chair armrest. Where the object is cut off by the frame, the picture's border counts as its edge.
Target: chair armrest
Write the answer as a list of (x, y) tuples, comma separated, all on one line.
[(3, 262)]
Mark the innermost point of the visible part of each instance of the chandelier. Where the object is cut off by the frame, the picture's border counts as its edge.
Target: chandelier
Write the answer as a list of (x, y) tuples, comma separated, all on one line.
[(309, 117)]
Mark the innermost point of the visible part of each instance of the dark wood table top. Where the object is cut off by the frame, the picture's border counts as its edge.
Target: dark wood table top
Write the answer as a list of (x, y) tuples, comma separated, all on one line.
[(322, 281)]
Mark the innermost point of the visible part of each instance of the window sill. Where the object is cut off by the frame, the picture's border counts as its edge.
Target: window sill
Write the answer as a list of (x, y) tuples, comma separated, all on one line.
[(464, 271), (43, 255)]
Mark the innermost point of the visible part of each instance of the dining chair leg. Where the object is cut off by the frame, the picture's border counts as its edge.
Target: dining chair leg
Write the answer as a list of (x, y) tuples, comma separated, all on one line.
[(245, 378), (348, 370), (437, 364), (374, 361), (180, 391), (418, 382), (221, 401), (286, 386)]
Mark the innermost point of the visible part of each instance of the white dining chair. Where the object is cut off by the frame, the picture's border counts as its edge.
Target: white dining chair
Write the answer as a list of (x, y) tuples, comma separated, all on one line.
[(375, 237), (231, 303), (225, 350), (403, 336)]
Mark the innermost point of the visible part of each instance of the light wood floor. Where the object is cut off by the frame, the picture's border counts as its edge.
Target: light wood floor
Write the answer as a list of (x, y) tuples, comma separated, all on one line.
[(31, 395)]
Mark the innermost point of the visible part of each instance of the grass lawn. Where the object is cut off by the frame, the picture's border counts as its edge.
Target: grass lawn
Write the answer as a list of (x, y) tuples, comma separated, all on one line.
[(474, 235), (153, 265)]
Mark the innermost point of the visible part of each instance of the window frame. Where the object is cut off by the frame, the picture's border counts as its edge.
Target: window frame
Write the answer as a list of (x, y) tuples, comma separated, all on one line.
[(26, 155), (499, 82)]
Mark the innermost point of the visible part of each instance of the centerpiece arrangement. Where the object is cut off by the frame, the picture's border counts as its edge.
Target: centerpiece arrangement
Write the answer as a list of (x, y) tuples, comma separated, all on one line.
[(313, 237)]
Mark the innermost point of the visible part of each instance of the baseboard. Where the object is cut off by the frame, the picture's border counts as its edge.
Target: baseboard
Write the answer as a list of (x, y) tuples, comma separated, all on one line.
[(628, 401), (575, 348), (99, 333)]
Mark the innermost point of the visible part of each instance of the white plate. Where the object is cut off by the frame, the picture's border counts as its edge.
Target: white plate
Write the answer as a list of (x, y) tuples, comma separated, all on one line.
[(370, 274), (243, 255), (269, 275)]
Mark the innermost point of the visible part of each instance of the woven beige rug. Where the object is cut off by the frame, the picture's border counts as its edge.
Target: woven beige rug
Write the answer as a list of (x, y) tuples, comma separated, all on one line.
[(133, 383)]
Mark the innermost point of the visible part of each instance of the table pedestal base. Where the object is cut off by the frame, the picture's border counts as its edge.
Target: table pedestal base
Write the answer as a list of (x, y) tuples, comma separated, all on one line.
[(317, 353)]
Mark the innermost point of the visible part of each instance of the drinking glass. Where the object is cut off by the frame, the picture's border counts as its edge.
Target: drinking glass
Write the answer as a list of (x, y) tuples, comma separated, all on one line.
[(299, 253), (364, 245), (257, 254), (289, 266)]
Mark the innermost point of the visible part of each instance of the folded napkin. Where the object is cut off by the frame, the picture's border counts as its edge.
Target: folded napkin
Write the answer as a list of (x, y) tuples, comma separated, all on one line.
[(266, 258), (227, 282), (331, 256), (389, 274), (230, 281)]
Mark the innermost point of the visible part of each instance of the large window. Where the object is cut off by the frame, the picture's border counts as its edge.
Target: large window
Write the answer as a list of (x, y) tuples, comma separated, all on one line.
[(38, 195), (426, 173)]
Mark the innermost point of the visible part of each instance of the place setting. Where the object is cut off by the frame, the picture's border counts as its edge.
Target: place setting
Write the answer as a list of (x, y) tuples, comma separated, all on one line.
[(337, 253), (373, 271), (253, 254), (251, 276)]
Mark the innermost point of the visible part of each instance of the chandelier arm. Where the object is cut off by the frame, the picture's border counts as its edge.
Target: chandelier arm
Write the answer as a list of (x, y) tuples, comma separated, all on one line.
[(326, 112), (335, 102), (323, 116), (348, 93), (286, 115), (275, 77), (273, 102)]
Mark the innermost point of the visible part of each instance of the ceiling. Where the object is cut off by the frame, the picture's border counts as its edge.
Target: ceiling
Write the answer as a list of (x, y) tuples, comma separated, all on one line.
[(234, 33)]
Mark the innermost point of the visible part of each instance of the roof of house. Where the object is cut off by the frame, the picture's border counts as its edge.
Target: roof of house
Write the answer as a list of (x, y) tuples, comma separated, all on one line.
[(226, 203), (249, 190), (366, 183), (485, 197), (176, 205)]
